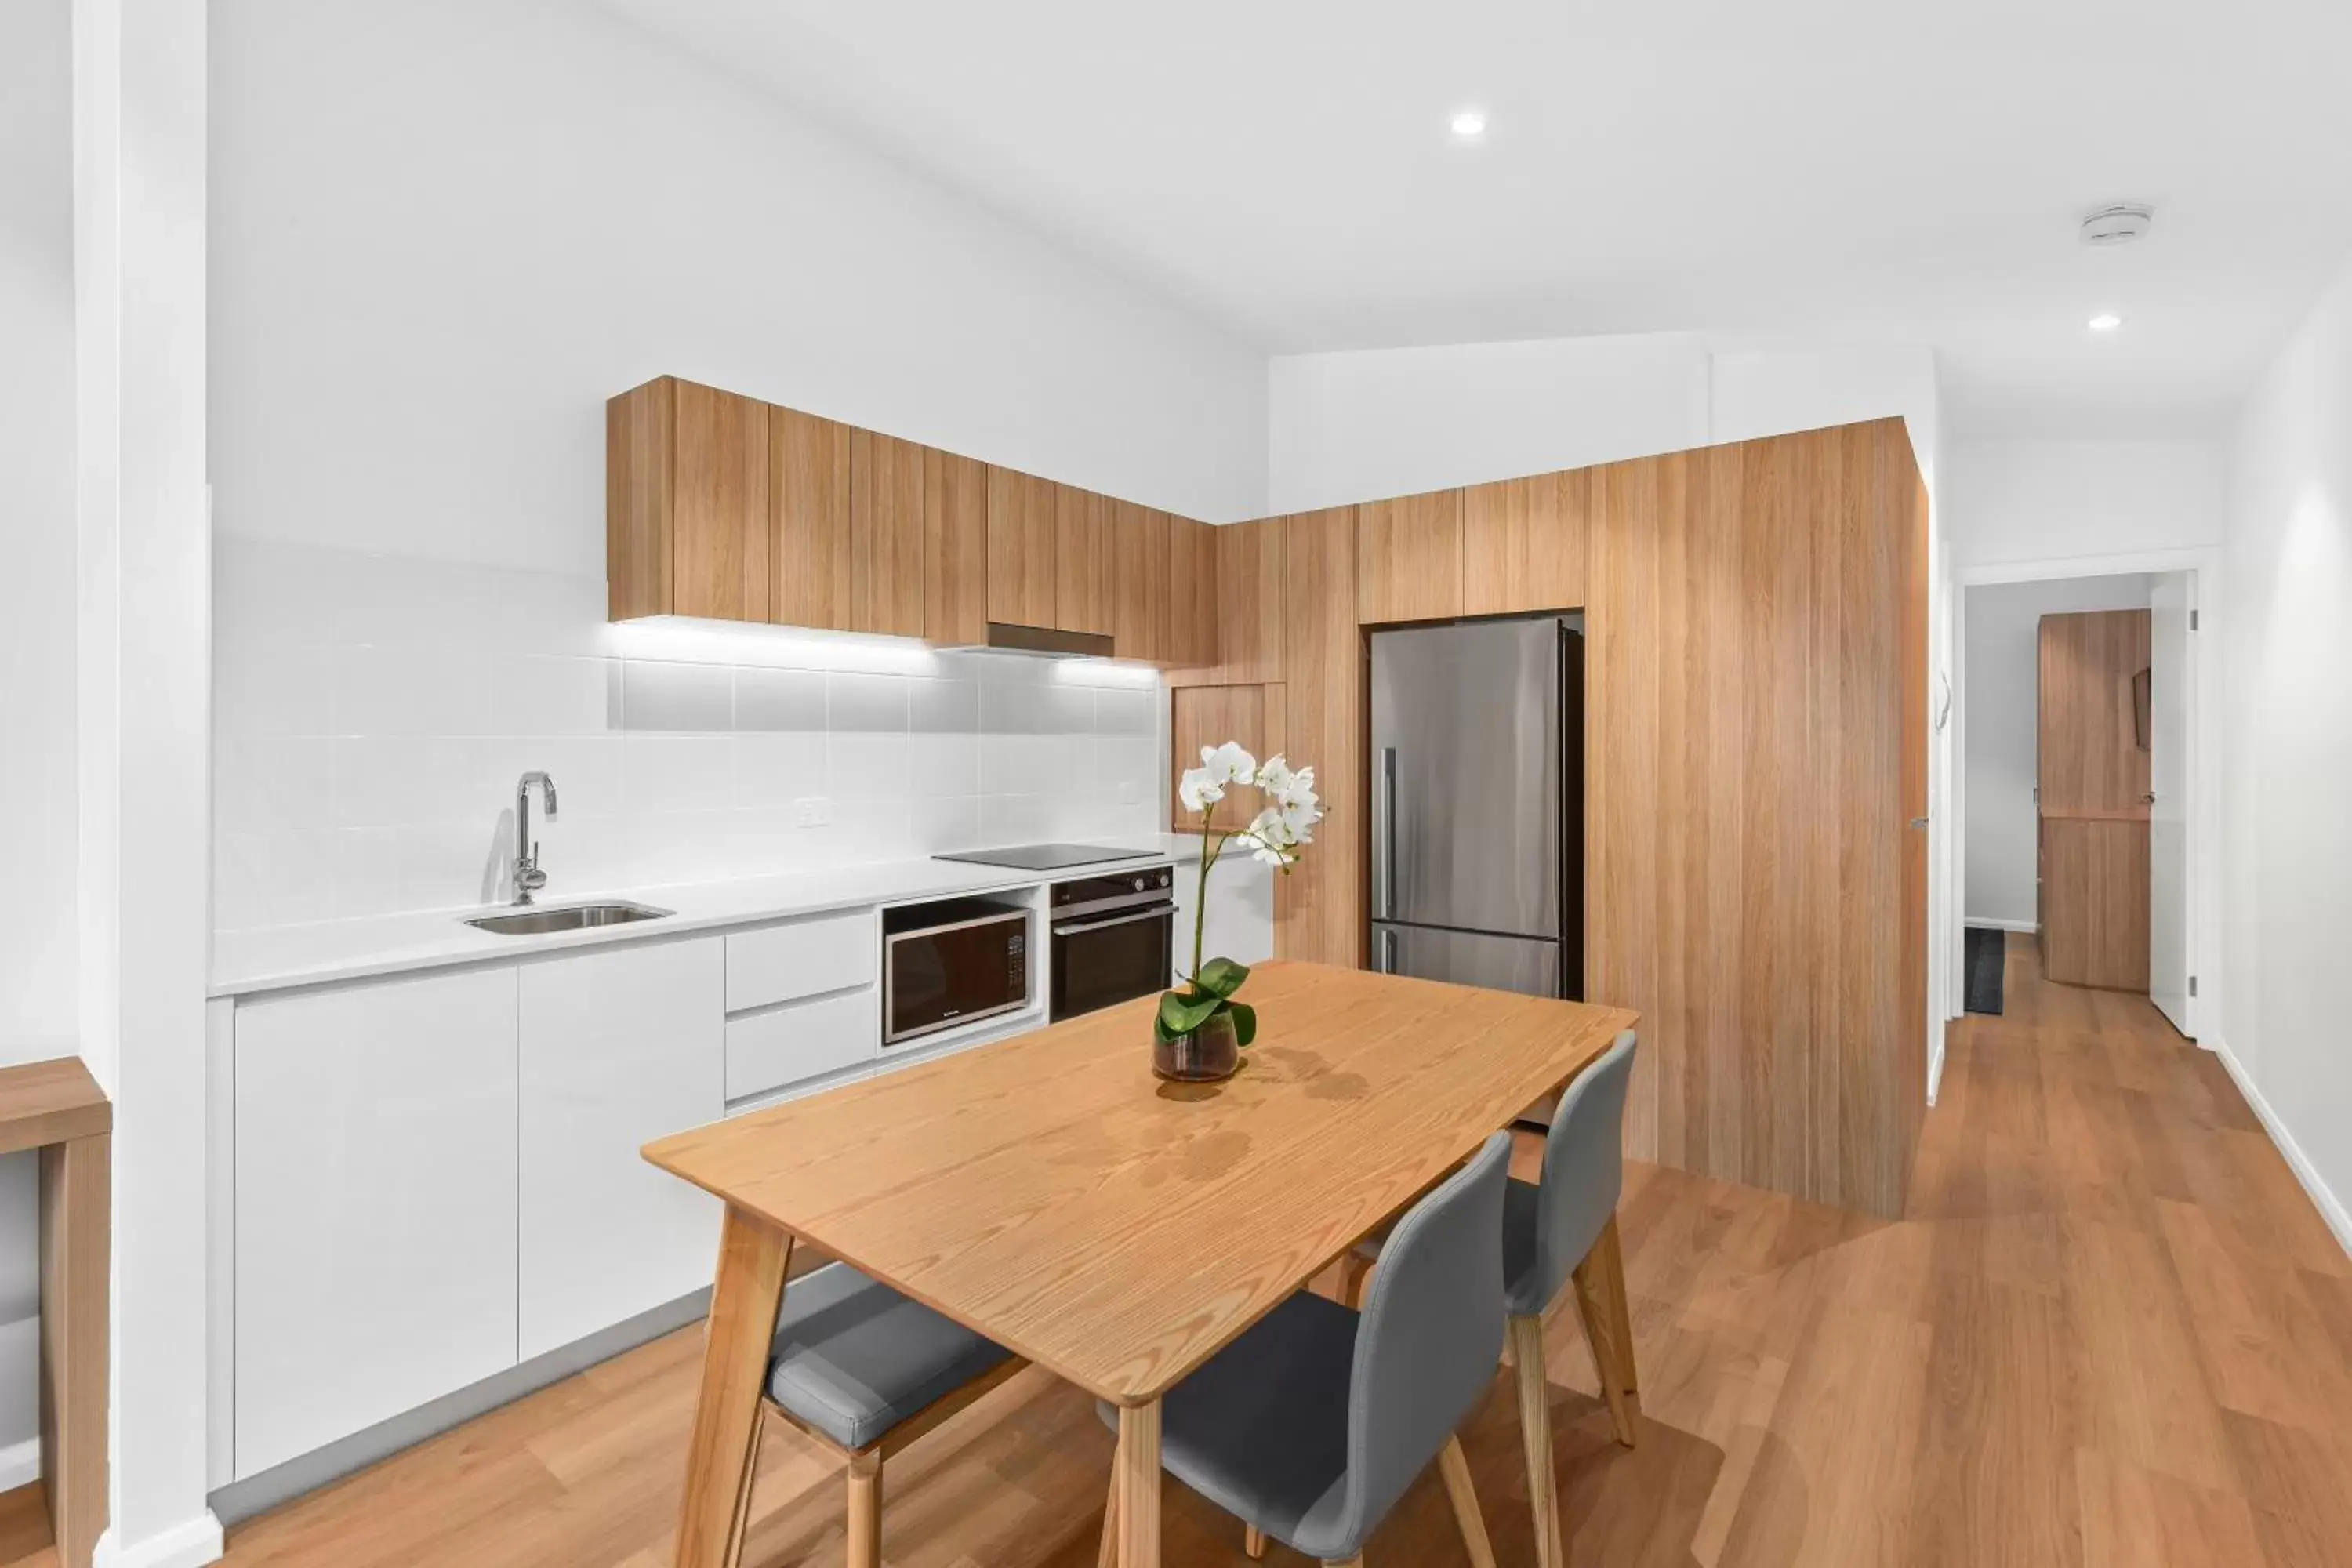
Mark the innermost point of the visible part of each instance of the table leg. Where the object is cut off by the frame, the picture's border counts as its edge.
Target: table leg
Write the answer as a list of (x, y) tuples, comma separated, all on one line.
[(1136, 1473), (720, 1454)]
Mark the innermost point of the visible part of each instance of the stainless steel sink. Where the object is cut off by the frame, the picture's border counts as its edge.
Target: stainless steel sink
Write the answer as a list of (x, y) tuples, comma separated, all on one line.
[(566, 917)]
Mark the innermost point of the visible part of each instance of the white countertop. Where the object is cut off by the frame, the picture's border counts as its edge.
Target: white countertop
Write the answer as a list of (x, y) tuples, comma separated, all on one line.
[(281, 956)]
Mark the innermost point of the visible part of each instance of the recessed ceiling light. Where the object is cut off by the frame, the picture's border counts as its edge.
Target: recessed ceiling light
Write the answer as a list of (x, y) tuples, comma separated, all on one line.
[(1469, 124), (2105, 322)]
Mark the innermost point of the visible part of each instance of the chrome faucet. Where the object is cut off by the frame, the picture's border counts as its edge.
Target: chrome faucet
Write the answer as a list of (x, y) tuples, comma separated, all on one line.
[(528, 877)]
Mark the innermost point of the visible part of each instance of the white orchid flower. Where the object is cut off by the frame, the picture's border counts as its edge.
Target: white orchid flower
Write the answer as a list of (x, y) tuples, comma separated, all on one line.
[(1275, 777), (1270, 838), (1229, 763), (1199, 789)]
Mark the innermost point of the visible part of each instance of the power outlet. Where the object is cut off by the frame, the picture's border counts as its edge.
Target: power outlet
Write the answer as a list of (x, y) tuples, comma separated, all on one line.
[(815, 811)]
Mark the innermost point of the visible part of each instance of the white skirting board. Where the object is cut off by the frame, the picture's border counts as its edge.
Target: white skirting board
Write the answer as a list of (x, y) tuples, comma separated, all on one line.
[(20, 1463), (2330, 1209), (191, 1544)]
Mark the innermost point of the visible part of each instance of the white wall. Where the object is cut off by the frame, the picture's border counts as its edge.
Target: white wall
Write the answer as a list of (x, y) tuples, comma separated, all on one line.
[(1361, 426), (2002, 750), (2288, 643), (37, 632), (2037, 501), (446, 232)]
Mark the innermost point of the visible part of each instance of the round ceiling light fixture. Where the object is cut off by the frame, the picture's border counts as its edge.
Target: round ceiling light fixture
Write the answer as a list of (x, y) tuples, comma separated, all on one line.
[(2105, 322), (2118, 225), (1468, 124)]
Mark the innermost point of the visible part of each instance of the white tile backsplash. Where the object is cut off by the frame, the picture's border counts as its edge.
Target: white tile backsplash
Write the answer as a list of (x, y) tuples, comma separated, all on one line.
[(372, 714)]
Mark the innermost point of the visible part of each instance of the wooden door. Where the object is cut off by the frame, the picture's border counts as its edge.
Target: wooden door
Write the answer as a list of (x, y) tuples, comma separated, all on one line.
[(955, 548), (1408, 558), (1320, 905), (1146, 590), (886, 513), (1086, 563), (1022, 526), (809, 550), (2092, 772), (1523, 545)]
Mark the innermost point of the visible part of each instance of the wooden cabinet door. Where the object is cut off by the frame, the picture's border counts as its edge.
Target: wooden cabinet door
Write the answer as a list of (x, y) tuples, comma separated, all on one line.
[(1523, 545), (1022, 525), (887, 513), (1244, 580), (1195, 598), (375, 1182), (955, 548), (1319, 906), (808, 498), (618, 1048), (1410, 551), (687, 502), (1210, 716), (1142, 555), (1085, 561)]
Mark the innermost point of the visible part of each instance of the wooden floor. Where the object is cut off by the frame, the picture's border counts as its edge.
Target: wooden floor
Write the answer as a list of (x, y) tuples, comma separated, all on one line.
[(2112, 1331)]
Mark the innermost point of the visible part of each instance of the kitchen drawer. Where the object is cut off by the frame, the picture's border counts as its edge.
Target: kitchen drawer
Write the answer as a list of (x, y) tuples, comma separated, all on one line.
[(800, 958), (788, 1044)]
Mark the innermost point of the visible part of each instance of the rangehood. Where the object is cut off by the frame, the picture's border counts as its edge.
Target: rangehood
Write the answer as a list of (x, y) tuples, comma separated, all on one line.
[(1039, 642)]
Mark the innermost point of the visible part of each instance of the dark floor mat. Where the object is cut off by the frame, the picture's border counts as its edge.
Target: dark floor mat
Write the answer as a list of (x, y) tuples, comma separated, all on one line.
[(1985, 952)]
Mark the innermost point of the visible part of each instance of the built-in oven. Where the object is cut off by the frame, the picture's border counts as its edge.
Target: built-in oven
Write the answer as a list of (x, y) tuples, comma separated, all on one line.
[(950, 962), (1114, 939)]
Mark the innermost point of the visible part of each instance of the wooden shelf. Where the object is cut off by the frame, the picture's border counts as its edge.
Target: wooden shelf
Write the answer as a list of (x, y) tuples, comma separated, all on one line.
[(48, 1102)]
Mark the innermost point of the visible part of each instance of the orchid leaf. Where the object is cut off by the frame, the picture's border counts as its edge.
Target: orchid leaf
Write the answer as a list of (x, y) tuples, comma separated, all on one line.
[(1181, 1015), (1244, 1023), (1220, 976)]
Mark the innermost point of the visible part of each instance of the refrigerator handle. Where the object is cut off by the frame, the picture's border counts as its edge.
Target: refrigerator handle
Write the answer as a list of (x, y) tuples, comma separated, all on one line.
[(1386, 963), (1388, 833)]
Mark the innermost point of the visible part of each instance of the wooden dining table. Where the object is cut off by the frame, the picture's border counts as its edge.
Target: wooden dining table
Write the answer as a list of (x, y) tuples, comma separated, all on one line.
[(1050, 1192)]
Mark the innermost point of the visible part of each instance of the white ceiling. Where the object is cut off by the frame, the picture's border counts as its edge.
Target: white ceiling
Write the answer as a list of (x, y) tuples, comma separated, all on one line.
[(1866, 168)]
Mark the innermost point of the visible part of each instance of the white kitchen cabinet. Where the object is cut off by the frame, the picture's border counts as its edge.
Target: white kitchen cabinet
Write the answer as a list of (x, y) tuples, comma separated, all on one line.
[(374, 1186), (620, 1046), (801, 1040), (802, 958), (1241, 912)]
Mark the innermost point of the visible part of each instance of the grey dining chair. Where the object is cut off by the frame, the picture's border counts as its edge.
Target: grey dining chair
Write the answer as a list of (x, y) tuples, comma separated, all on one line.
[(865, 1371), (1559, 1230), (1310, 1425)]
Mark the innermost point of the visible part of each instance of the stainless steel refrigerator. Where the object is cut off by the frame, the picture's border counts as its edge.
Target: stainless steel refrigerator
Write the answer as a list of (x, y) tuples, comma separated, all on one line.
[(1478, 798)]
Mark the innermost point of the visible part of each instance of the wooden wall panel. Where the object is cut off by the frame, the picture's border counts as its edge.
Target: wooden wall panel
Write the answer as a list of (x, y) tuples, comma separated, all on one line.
[(1748, 802), (1022, 525), (1408, 558), (955, 548), (1319, 906), (887, 533), (1523, 544), (809, 537)]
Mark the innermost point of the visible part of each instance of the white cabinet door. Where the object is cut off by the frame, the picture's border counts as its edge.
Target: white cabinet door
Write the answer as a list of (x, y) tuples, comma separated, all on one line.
[(1241, 912), (802, 958), (784, 1044), (619, 1047), (374, 1203)]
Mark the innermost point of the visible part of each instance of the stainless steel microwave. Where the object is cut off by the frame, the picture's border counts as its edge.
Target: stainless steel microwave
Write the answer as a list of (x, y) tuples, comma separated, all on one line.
[(951, 963)]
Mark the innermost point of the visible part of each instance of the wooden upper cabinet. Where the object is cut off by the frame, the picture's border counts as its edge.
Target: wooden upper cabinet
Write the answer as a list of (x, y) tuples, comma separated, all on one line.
[(1141, 571), (1409, 552), (1022, 526), (887, 522), (1086, 563), (955, 548), (1523, 545), (1194, 597), (1249, 579), (686, 497), (809, 528)]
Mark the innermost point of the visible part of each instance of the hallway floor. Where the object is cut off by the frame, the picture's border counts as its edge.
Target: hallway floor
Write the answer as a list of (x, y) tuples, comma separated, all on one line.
[(2112, 1331)]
